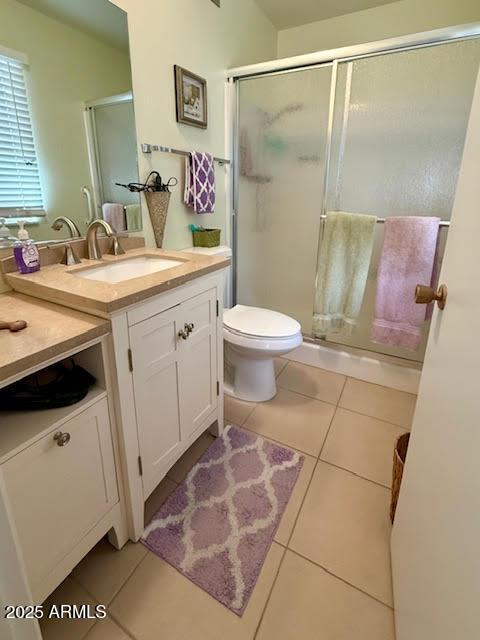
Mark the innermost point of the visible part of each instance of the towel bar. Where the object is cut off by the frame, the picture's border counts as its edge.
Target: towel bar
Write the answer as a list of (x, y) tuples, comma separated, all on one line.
[(148, 148), (443, 223)]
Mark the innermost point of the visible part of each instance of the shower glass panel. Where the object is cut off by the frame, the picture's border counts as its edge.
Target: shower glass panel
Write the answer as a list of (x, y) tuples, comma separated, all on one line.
[(398, 133), (283, 123), (117, 150)]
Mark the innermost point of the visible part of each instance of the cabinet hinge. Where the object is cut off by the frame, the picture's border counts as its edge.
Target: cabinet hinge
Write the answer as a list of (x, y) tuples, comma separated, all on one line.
[(218, 388), (218, 309), (130, 360), (140, 465)]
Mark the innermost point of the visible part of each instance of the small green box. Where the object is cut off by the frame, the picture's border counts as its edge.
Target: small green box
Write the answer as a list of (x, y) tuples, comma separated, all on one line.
[(206, 238)]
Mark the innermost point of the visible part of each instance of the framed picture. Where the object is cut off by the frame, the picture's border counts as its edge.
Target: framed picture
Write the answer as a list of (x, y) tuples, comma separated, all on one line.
[(191, 94)]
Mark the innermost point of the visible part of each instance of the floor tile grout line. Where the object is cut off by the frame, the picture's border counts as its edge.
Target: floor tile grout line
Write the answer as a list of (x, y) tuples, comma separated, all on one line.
[(109, 615), (122, 626), (286, 548), (127, 580), (317, 458), (331, 573), (367, 415), (384, 386), (329, 427), (305, 395), (301, 504), (83, 637), (283, 444), (353, 473), (121, 586), (267, 601), (339, 406)]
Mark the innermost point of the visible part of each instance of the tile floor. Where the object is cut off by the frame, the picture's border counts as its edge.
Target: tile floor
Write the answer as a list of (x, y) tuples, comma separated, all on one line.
[(327, 575)]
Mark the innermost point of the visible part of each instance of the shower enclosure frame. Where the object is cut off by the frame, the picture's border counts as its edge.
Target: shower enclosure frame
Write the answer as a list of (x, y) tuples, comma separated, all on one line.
[(92, 147), (332, 57)]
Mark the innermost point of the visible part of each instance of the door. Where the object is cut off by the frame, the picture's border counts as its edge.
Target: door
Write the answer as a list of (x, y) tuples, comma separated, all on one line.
[(155, 347), (198, 361), (58, 493), (283, 133), (435, 555), (398, 135)]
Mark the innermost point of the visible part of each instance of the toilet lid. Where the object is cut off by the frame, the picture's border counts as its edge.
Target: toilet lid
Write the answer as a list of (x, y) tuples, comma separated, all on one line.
[(262, 323)]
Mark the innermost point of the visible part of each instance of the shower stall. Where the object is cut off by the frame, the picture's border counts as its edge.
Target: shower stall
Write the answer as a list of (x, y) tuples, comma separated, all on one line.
[(378, 129)]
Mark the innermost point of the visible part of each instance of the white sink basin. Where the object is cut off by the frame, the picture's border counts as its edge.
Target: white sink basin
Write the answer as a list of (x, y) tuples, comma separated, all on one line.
[(128, 269)]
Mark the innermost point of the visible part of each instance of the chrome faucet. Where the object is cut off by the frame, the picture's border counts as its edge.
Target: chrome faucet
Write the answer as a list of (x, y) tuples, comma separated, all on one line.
[(94, 252), (58, 223)]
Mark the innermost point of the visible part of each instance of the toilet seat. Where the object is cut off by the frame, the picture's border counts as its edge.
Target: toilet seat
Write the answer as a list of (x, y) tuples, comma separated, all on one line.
[(273, 346), (262, 324)]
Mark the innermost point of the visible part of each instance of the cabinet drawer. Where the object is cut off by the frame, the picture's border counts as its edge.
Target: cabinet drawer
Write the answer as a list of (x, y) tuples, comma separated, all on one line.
[(58, 493)]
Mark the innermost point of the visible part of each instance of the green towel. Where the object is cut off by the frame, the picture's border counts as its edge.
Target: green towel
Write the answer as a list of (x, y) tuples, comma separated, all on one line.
[(133, 214), (344, 261)]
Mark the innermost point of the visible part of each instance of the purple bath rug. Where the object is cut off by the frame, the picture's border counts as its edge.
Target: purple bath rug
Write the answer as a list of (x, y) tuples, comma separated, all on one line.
[(217, 526)]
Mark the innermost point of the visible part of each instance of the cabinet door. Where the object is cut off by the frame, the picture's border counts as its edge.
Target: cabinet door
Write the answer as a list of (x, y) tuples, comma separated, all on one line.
[(57, 494), (154, 345), (198, 366)]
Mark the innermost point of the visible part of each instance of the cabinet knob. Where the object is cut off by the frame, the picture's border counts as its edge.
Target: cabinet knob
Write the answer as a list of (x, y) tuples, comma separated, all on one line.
[(183, 334), (189, 327), (61, 438)]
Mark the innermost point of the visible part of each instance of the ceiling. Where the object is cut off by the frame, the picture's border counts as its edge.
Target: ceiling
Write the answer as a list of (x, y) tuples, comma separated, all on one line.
[(98, 18), (293, 13)]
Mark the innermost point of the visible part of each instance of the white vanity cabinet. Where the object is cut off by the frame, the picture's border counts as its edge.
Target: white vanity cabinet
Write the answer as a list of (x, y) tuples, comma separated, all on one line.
[(169, 354), (60, 489), (59, 476), (173, 357)]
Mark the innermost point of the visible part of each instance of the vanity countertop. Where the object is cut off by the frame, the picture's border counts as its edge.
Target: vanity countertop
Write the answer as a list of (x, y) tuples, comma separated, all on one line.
[(59, 283), (51, 331)]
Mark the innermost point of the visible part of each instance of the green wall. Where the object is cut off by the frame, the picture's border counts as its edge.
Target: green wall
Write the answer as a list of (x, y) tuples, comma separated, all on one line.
[(66, 68)]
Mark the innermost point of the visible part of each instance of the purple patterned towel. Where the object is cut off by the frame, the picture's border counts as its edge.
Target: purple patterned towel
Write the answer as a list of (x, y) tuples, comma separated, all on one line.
[(200, 182)]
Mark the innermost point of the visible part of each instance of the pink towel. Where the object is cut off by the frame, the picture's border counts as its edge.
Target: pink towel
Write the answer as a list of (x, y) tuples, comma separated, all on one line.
[(114, 214), (407, 259)]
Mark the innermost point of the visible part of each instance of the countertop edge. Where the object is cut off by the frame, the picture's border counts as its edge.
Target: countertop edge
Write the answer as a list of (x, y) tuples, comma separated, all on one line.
[(13, 369), (103, 309)]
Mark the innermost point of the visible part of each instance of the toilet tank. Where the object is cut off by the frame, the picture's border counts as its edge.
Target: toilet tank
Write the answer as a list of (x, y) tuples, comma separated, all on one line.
[(221, 251)]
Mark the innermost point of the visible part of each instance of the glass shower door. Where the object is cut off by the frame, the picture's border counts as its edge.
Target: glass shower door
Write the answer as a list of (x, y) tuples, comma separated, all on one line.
[(283, 123), (399, 128)]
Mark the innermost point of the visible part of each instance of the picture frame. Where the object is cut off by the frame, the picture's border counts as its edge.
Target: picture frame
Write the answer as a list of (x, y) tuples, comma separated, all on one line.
[(191, 98)]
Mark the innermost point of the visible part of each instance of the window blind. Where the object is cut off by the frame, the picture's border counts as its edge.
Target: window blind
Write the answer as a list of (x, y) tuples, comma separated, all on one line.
[(20, 189)]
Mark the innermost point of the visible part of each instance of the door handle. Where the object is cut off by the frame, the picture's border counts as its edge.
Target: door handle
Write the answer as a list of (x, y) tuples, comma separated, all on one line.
[(426, 295)]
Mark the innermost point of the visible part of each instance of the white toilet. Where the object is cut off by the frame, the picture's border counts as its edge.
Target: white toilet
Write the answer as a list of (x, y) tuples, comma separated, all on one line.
[(253, 337)]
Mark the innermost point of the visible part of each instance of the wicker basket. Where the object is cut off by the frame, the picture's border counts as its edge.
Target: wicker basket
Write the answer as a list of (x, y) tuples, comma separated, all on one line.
[(157, 203), (206, 238), (399, 457)]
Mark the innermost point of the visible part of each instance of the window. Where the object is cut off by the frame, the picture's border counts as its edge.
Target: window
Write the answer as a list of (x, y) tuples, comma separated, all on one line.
[(20, 190)]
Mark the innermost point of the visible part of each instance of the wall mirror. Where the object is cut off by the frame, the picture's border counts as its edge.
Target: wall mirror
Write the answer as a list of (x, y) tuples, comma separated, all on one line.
[(67, 126)]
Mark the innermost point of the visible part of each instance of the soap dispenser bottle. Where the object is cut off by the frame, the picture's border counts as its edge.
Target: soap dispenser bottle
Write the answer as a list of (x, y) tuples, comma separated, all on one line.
[(5, 239), (4, 231), (25, 252)]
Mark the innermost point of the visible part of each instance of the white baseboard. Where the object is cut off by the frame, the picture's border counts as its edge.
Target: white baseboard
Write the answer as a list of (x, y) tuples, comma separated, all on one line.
[(366, 368)]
